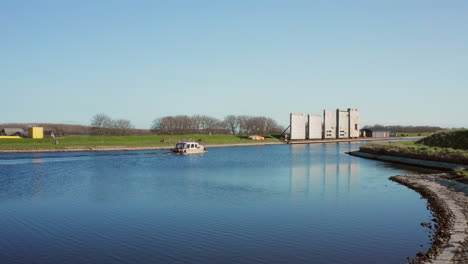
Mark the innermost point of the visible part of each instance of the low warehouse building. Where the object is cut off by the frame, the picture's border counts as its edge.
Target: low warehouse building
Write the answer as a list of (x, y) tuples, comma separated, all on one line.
[(374, 133), (12, 132)]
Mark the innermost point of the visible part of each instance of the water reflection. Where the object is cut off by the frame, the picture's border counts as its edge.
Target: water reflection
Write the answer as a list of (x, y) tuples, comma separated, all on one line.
[(316, 172), (271, 204)]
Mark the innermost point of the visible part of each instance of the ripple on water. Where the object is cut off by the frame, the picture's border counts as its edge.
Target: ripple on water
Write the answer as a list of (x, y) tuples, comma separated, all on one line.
[(276, 204)]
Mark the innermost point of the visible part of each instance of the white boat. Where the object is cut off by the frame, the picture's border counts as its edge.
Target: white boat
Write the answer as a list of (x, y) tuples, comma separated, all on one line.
[(189, 148)]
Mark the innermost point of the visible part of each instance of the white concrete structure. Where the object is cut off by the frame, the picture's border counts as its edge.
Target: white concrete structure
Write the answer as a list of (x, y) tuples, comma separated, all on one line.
[(342, 121), (298, 126), (353, 123), (329, 124), (380, 133), (315, 127)]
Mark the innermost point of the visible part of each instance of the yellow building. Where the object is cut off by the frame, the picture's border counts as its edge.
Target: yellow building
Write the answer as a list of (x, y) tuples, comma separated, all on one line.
[(36, 132)]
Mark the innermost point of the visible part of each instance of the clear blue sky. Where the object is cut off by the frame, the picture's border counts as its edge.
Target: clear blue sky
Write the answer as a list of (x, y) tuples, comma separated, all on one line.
[(399, 62)]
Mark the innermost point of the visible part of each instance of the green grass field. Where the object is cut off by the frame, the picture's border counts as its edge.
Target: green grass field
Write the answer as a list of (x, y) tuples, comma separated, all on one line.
[(425, 134), (94, 141), (451, 146)]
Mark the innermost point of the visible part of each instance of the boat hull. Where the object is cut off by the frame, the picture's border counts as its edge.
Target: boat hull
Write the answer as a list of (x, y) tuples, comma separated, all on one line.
[(189, 151)]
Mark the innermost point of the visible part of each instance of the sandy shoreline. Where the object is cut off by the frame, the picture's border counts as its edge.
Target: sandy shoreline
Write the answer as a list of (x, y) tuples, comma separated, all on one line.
[(450, 241)]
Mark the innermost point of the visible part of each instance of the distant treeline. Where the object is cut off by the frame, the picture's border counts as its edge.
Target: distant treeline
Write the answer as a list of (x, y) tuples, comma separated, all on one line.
[(103, 125), (407, 129), (200, 124)]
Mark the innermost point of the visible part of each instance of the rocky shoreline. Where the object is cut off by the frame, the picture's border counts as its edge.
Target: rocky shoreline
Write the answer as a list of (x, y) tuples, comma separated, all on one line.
[(450, 209)]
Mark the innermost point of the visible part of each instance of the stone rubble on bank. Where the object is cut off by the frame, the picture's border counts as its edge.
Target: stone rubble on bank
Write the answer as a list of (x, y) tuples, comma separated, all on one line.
[(450, 207)]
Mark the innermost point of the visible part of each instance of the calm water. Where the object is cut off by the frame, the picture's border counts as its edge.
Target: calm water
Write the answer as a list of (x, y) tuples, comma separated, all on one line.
[(269, 204)]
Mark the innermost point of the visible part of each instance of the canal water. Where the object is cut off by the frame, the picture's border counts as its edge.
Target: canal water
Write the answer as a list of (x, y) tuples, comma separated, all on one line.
[(263, 204)]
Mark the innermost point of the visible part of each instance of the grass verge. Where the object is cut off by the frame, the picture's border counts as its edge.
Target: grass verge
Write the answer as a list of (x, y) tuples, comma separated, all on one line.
[(412, 149), (423, 134), (128, 141)]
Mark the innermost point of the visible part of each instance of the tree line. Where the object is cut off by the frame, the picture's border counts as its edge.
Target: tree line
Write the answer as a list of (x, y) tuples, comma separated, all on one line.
[(103, 125), (201, 124), (407, 129)]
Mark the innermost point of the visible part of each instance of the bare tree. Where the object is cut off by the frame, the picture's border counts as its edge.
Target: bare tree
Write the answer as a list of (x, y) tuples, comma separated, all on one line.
[(101, 124), (121, 127), (231, 122)]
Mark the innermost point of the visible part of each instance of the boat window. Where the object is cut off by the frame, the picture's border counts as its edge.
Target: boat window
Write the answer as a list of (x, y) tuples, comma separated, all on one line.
[(193, 146)]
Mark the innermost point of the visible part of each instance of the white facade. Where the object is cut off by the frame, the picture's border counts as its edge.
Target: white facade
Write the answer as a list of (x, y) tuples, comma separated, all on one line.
[(342, 120), (380, 133), (315, 126), (353, 123), (298, 126), (329, 124)]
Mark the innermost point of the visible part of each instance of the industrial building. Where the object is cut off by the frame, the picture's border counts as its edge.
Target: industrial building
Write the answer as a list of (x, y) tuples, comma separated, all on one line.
[(374, 133), (315, 127), (353, 123), (16, 132), (298, 122), (342, 123), (329, 124), (337, 123)]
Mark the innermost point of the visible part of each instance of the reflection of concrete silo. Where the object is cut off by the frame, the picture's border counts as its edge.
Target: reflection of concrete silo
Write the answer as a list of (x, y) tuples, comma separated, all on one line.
[(299, 170)]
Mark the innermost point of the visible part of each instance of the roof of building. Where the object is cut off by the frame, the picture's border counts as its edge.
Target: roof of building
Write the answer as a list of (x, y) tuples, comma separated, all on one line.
[(10, 131), (375, 130)]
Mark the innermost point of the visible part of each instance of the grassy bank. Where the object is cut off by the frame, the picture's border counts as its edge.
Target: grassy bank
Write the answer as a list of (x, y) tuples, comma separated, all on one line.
[(422, 134), (445, 147), (128, 141), (457, 139)]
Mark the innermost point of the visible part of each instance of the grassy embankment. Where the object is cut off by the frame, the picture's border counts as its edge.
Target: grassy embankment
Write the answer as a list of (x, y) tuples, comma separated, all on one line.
[(126, 141), (423, 134), (450, 146)]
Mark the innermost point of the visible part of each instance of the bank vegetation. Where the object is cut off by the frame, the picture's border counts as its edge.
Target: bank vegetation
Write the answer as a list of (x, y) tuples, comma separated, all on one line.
[(447, 146)]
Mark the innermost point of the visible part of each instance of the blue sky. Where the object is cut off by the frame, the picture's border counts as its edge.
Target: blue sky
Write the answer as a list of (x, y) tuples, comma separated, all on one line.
[(399, 62)]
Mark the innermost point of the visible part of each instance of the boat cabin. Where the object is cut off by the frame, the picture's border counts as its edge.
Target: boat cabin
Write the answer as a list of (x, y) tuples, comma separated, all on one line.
[(187, 145)]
